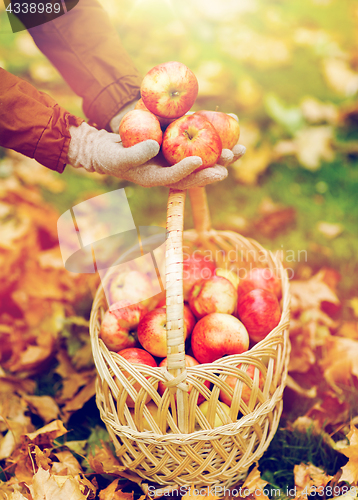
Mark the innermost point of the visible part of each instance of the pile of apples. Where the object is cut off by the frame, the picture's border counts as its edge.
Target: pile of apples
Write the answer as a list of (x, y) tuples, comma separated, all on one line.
[(223, 315), (168, 92)]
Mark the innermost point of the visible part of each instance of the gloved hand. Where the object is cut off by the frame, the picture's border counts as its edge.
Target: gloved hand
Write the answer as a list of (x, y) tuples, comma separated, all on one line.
[(202, 178), (102, 152)]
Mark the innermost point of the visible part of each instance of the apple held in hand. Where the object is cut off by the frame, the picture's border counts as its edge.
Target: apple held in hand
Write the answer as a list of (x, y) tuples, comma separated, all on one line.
[(191, 135), (152, 333), (225, 125), (231, 380), (139, 356), (169, 90), (164, 122), (215, 295), (137, 126), (119, 325), (217, 335), (260, 312), (260, 277), (133, 286), (189, 361), (196, 267)]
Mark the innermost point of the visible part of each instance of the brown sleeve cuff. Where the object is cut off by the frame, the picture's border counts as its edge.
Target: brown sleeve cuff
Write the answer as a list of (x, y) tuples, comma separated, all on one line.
[(52, 147), (32, 123), (112, 99)]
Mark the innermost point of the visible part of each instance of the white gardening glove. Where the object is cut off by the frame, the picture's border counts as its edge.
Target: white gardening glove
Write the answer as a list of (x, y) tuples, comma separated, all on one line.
[(102, 152), (216, 173), (202, 178)]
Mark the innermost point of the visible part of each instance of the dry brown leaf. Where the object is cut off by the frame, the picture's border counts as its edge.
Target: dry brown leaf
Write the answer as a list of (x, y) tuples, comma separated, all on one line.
[(340, 76), (248, 169), (329, 411), (80, 399), (348, 329), (103, 461), (307, 393), (309, 476), (329, 230), (44, 406), (46, 435), (314, 144), (254, 482), (67, 464), (350, 470), (310, 293), (114, 492), (316, 111), (50, 487), (354, 305), (274, 218), (339, 362)]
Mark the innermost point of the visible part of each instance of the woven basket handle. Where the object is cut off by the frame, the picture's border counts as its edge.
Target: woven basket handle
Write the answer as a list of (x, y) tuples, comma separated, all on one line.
[(200, 209), (175, 308)]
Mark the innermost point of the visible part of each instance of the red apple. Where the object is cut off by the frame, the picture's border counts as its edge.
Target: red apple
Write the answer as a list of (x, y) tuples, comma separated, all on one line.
[(260, 277), (131, 285), (217, 335), (169, 89), (196, 267), (189, 361), (139, 356), (217, 294), (229, 275), (191, 135), (260, 312), (152, 333), (137, 126), (231, 380), (164, 122), (119, 325), (225, 125)]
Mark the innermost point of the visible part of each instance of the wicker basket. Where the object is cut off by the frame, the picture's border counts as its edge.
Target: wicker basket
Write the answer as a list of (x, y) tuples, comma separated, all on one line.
[(180, 446)]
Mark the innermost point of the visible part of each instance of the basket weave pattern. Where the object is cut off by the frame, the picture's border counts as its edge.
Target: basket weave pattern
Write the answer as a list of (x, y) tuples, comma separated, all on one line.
[(180, 445)]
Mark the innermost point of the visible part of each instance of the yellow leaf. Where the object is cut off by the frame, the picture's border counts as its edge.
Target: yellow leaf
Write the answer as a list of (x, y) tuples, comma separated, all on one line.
[(248, 169), (113, 492), (307, 294), (66, 465), (340, 361), (44, 406), (354, 305), (308, 475), (46, 487), (329, 230), (350, 470), (47, 434)]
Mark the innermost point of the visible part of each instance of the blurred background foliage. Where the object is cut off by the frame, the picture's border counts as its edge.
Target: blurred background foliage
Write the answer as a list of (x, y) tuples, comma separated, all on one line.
[(289, 70)]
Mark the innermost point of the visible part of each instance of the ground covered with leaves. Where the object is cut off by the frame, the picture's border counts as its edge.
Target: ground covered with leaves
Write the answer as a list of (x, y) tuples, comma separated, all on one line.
[(290, 72)]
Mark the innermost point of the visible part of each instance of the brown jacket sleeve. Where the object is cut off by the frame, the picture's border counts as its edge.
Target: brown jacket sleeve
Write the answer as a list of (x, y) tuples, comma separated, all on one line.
[(85, 48), (32, 123)]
